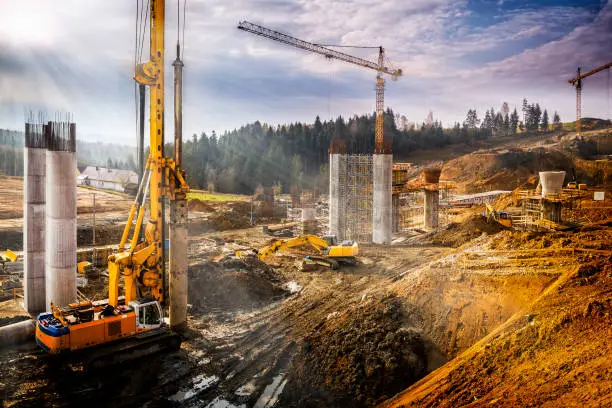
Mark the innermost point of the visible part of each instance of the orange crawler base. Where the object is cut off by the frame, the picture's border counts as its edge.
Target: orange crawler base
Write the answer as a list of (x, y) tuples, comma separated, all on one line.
[(88, 324)]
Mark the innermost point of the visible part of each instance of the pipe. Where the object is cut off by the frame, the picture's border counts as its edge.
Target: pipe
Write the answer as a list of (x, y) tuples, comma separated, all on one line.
[(177, 281), (17, 333)]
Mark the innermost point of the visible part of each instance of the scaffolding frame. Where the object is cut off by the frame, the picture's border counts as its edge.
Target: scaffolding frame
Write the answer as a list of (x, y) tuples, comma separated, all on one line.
[(355, 189)]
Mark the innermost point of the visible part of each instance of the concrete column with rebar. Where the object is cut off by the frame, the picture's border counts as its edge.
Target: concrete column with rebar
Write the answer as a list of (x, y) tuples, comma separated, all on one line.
[(61, 222), (382, 201), (34, 218)]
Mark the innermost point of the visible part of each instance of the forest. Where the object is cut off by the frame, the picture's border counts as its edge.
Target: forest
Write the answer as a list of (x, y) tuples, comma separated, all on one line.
[(296, 155)]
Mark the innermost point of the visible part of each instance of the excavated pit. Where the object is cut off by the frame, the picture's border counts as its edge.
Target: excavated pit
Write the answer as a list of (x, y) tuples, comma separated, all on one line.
[(265, 333)]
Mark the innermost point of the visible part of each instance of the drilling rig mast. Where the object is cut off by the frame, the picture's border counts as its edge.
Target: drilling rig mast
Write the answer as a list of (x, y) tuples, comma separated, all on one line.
[(378, 66)]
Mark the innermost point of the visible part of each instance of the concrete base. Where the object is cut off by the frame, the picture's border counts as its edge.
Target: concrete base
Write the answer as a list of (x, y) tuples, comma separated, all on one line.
[(431, 205), (382, 211)]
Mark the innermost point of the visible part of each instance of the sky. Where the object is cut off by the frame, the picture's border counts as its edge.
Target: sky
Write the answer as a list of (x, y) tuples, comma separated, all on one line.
[(78, 56)]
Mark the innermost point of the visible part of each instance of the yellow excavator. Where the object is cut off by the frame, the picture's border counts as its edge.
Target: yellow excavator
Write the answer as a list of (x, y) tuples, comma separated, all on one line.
[(503, 218), (330, 253), (132, 325)]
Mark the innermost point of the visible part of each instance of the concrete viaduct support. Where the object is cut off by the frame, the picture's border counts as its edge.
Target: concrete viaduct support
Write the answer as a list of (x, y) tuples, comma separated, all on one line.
[(61, 222), (34, 218)]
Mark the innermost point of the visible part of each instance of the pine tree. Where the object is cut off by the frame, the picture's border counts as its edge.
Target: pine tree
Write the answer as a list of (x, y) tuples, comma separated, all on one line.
[(514, 121), (557, 122), (544, 124)]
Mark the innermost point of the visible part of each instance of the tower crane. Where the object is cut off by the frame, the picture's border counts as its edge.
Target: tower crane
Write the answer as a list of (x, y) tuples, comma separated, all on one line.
[(378, 66), (577, 82)]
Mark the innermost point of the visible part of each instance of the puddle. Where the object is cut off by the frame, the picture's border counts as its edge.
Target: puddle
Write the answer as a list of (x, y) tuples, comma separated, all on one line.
[(221, 403), (246, 390), (200, 383), (270, 395)]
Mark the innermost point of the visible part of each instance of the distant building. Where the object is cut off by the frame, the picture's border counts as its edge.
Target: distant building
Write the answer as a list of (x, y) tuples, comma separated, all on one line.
[(109, 179)]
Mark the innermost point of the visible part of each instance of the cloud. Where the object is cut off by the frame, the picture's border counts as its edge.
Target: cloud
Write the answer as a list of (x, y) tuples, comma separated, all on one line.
[(78, 56)]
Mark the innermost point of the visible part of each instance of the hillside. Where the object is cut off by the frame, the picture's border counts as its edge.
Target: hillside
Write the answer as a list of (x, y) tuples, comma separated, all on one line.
[(552, 352)]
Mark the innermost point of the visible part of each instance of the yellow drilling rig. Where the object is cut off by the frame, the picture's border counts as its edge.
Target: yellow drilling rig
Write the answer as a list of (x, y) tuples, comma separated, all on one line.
[(131, 325)]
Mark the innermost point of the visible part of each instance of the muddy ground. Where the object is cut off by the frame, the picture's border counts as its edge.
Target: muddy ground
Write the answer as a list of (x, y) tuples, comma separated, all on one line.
[(269, 335)]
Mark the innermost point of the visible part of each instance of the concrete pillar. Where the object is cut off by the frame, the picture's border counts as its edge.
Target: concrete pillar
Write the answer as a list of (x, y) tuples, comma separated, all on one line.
[(337, 167), (382, 212), (61, 223), (395, 213), (34, 219), (431, 204)]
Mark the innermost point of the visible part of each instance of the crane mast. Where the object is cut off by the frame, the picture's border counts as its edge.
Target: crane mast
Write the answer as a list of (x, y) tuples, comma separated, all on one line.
[(378, 66), (577, 82)]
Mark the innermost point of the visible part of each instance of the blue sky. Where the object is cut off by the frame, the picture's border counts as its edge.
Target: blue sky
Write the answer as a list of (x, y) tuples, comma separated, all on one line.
[(77, 56)]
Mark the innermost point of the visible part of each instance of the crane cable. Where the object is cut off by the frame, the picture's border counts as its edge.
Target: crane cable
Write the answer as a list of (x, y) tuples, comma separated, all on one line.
[(180, 39)]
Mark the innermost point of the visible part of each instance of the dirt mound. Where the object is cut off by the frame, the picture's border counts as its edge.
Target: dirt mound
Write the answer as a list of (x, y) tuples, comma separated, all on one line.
[(233, 284), (590, 237), (357, 358), (200, 206), (478, 172), (457, 234), (553, 354), (228, 220)]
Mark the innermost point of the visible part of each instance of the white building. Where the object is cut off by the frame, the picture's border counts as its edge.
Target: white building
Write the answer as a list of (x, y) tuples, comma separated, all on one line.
[(109, 179)]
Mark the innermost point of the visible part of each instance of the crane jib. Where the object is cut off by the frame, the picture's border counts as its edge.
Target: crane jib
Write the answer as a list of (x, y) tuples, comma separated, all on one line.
[(305, 45)]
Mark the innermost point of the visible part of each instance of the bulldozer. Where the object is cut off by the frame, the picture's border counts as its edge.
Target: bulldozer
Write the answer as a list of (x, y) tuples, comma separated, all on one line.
[(330, 253)]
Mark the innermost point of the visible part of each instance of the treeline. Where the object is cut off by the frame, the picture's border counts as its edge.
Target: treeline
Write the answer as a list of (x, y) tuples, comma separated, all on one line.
[(296, 155)]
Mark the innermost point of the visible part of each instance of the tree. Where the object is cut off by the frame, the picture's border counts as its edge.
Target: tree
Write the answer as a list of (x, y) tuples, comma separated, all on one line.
[(544, 124), (505, 109), (525, 110), (109, 163), (471, 120), (514, 121), (557, 122)]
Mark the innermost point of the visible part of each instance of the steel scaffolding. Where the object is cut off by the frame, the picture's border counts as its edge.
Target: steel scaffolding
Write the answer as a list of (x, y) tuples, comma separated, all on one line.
[(355, 188)]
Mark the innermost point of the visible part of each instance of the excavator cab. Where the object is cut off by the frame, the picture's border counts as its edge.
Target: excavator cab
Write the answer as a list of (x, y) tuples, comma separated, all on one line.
[(148, 313)]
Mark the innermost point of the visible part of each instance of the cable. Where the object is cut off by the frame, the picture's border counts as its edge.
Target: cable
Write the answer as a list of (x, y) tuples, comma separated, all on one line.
[(183, 41), (144, 29), (347, 46)]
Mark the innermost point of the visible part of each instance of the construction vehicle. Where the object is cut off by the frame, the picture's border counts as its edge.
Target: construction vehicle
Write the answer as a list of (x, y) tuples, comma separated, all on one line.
[(577, 82), (132, 325), (330, 253), (7, 256), (503, 218), (329, 53)]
